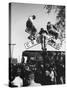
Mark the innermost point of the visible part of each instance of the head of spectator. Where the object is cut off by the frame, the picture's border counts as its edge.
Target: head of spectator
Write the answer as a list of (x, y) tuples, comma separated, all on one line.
[(47, 73)]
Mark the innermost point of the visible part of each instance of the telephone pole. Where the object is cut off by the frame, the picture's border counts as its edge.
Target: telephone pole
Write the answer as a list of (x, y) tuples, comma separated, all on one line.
[(11, 48)]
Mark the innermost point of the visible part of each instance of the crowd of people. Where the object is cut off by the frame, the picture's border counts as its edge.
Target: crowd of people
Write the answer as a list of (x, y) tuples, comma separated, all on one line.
[(38, 68)]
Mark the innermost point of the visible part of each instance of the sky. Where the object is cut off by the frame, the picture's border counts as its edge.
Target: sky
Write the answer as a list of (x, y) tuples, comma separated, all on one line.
[(19, 15)]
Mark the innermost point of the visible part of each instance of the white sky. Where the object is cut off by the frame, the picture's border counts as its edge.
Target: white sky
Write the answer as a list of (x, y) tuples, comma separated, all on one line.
[(19, 15)]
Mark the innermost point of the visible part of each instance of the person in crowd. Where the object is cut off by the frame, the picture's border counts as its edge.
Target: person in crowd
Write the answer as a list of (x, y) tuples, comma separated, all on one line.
[(60, 74), (47, 78), (17, 82), (52, 75), (12, 73), (32, 80)]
